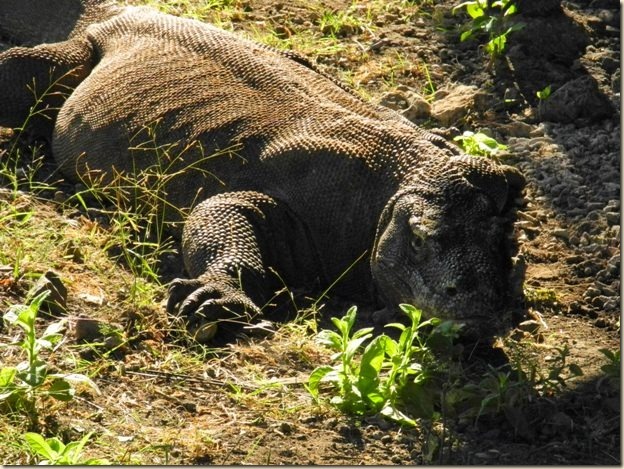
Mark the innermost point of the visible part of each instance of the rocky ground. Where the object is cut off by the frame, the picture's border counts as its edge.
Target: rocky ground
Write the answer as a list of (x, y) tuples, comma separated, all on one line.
[(406, 55)]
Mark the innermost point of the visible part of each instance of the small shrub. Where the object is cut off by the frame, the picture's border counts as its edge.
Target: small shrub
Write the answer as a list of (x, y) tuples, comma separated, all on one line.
[(479, 144), (21, 385), (53, 451), (492, 18), (389, 376)]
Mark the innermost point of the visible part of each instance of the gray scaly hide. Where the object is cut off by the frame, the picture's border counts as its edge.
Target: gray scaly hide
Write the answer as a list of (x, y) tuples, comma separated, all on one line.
[(295, 173)]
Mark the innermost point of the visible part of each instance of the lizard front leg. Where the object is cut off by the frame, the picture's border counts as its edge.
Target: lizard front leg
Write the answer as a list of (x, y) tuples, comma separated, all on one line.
[(229, 242)]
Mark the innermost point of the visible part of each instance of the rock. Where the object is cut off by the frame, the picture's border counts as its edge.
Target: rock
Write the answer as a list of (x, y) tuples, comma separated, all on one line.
[(530, 326), (95, 300), (395, 100), (458, 103), (286, 428), (56, 302), (418, 109), (613, 218), (91, 330), (579, 98), (517, 129), (406, 101)]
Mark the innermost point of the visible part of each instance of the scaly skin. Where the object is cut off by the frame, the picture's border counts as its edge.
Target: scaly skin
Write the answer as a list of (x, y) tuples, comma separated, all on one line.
[(307, 178)]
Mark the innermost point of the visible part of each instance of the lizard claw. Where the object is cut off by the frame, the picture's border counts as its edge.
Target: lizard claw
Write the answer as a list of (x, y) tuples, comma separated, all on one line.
[(208, 306)]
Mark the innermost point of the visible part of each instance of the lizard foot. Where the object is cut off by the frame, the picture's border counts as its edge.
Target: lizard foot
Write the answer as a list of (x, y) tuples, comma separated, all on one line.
[(209, 306)]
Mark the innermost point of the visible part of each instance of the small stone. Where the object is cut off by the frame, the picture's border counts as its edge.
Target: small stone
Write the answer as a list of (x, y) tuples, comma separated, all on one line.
[(205, 332), (377, 435), (456, 105), (561, 233), (591, 292), (386, 439), (613, 218), (56, 301), (59, 197), (96, 300), (285, 428), (189, 406), (517, 129), (599, 301), (530, 326)]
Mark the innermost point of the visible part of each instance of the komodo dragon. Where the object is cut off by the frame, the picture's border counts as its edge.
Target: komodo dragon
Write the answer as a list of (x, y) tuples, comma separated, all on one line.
[(306, 177)]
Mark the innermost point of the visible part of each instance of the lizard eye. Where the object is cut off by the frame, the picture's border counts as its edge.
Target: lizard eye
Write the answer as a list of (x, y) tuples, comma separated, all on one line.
[(418, 235)]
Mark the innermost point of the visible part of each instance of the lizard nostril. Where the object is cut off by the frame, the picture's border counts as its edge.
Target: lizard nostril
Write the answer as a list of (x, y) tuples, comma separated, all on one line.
[(451, 291)]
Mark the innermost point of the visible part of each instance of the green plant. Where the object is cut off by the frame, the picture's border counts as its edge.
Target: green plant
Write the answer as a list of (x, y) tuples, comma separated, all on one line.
[(492, 18), (53, 451), (479, 144), (341, 23), (544, 93), (20, 385), (390, 376), (613, 367)]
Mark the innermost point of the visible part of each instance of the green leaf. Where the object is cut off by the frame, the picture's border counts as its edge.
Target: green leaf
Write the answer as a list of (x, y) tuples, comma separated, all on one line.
[(390, 346), (353, 346), (362, 332), (330, 339), (40, 446), (7, 376), (474, 10), (56, 444), (396, 325), (350, 317), (393, 413), (412, 312), (73, 450), (315, 379), (341, 324), (34, 375), (516, 27), (77, 378), (61, 390), (370, 365), (466, 35), (511, 10)]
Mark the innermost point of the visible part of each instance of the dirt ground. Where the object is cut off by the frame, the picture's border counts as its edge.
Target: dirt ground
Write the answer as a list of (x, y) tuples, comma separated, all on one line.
[(162, 402)]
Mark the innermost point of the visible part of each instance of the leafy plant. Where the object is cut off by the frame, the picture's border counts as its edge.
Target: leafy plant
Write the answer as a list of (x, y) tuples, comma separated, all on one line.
[(479, 144), (544, 93), (390, 375), (613, 368), (21, 384), (54, 452), (492, 18), (340, 23)]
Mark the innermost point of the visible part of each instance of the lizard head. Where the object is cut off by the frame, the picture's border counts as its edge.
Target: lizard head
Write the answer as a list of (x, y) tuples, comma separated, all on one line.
[(443, 244)]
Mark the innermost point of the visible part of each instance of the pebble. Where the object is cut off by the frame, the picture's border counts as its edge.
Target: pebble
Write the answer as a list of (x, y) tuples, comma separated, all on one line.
[(56, 301), (613, 218)]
